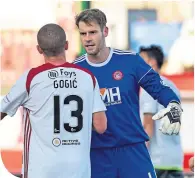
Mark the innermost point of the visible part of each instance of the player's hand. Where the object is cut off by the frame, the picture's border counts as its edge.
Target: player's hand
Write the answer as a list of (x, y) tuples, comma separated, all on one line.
[(170, 118), (191, 163)]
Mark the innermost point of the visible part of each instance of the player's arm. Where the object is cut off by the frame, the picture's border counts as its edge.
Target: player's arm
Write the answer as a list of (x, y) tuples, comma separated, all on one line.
[(148, 107), (151, 82), (16, 97), (99, 116), (148, 124), (99, 122)]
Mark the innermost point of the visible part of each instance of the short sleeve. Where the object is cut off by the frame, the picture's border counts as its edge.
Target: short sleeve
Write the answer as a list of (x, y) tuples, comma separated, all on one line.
[(16, 97), (148, 104), (98, 104)]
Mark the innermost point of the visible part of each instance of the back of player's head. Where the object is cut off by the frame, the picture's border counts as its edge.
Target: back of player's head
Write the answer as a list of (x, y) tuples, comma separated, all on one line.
[(92, 15), (143, 49), (154, 52), (51, 39)]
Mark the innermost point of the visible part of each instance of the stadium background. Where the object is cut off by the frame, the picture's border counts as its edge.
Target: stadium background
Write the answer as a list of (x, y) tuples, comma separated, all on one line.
[(131, 24)]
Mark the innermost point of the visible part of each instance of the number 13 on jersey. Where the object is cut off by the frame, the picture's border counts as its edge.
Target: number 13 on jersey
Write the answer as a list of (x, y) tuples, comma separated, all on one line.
[(76, 114)]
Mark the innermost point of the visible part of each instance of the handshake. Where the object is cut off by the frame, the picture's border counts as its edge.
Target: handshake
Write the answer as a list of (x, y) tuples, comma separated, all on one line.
[(170, 118)]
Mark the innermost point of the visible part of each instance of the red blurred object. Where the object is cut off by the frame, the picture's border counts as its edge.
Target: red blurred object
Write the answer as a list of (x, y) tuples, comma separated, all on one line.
[(183, 81), (12, 160), (187, 156)]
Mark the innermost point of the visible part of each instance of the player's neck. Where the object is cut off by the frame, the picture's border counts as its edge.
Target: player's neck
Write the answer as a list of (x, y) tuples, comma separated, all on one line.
[(155, 68), (100, 57), (57, 60)]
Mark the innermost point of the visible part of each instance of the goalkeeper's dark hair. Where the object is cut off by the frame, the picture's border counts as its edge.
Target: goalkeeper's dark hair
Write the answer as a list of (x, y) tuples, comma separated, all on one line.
[(155, 52)]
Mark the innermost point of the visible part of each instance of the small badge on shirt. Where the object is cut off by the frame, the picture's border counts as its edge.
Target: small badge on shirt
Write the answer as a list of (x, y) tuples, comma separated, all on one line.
[(56, 142), (117, 75)]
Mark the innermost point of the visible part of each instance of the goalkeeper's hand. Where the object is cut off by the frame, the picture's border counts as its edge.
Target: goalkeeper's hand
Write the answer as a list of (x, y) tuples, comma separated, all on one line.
[(170, 118)]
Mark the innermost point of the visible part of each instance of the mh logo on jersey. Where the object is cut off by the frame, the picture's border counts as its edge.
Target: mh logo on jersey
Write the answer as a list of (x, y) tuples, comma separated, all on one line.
[(111, 96)]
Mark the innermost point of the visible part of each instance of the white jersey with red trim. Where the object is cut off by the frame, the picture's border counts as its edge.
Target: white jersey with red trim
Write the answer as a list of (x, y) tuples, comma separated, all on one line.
[(58, 104)]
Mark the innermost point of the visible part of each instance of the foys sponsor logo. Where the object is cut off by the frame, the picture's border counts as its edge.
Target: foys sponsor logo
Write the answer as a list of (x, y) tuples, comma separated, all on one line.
[(62, 73), (52, 74), (111, 96)]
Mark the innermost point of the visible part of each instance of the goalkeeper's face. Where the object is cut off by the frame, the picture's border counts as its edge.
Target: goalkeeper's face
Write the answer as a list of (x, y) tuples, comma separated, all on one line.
[(92, 37)]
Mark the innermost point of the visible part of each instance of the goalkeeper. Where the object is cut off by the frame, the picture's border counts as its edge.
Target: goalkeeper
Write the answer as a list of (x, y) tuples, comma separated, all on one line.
[(165, 151), (121, 151)]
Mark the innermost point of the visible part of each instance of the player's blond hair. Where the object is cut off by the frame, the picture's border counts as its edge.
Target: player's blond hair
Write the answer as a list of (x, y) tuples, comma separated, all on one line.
[(92, 15)]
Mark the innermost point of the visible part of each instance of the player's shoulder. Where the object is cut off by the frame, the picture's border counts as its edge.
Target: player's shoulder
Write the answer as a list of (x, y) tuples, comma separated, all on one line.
[(48, 66), (80, 59), (170, 84), (123, 52), (85, 72), (34, 71), (23, 77), (127, 57), (82, 69), (167, 81), (78, 64), (39, 68)]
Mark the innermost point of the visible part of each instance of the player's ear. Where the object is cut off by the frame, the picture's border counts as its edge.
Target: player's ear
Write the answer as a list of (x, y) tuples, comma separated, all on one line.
[(105, 31), (39, 49), (66, 45), (152, 62)]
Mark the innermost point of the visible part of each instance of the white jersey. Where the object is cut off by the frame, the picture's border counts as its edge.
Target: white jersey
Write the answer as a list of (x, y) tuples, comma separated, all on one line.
[(165, 150), (58, 105)]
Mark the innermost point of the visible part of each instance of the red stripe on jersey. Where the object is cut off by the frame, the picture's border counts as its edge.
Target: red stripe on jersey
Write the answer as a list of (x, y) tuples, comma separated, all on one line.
[(24, 152), (34, 71), (27, 135)]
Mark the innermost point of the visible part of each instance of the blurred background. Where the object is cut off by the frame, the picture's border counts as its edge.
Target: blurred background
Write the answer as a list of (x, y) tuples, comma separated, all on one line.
[(132, 24)]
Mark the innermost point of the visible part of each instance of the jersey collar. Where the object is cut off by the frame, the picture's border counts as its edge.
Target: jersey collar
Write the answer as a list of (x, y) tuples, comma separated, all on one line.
[(102, 63)]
